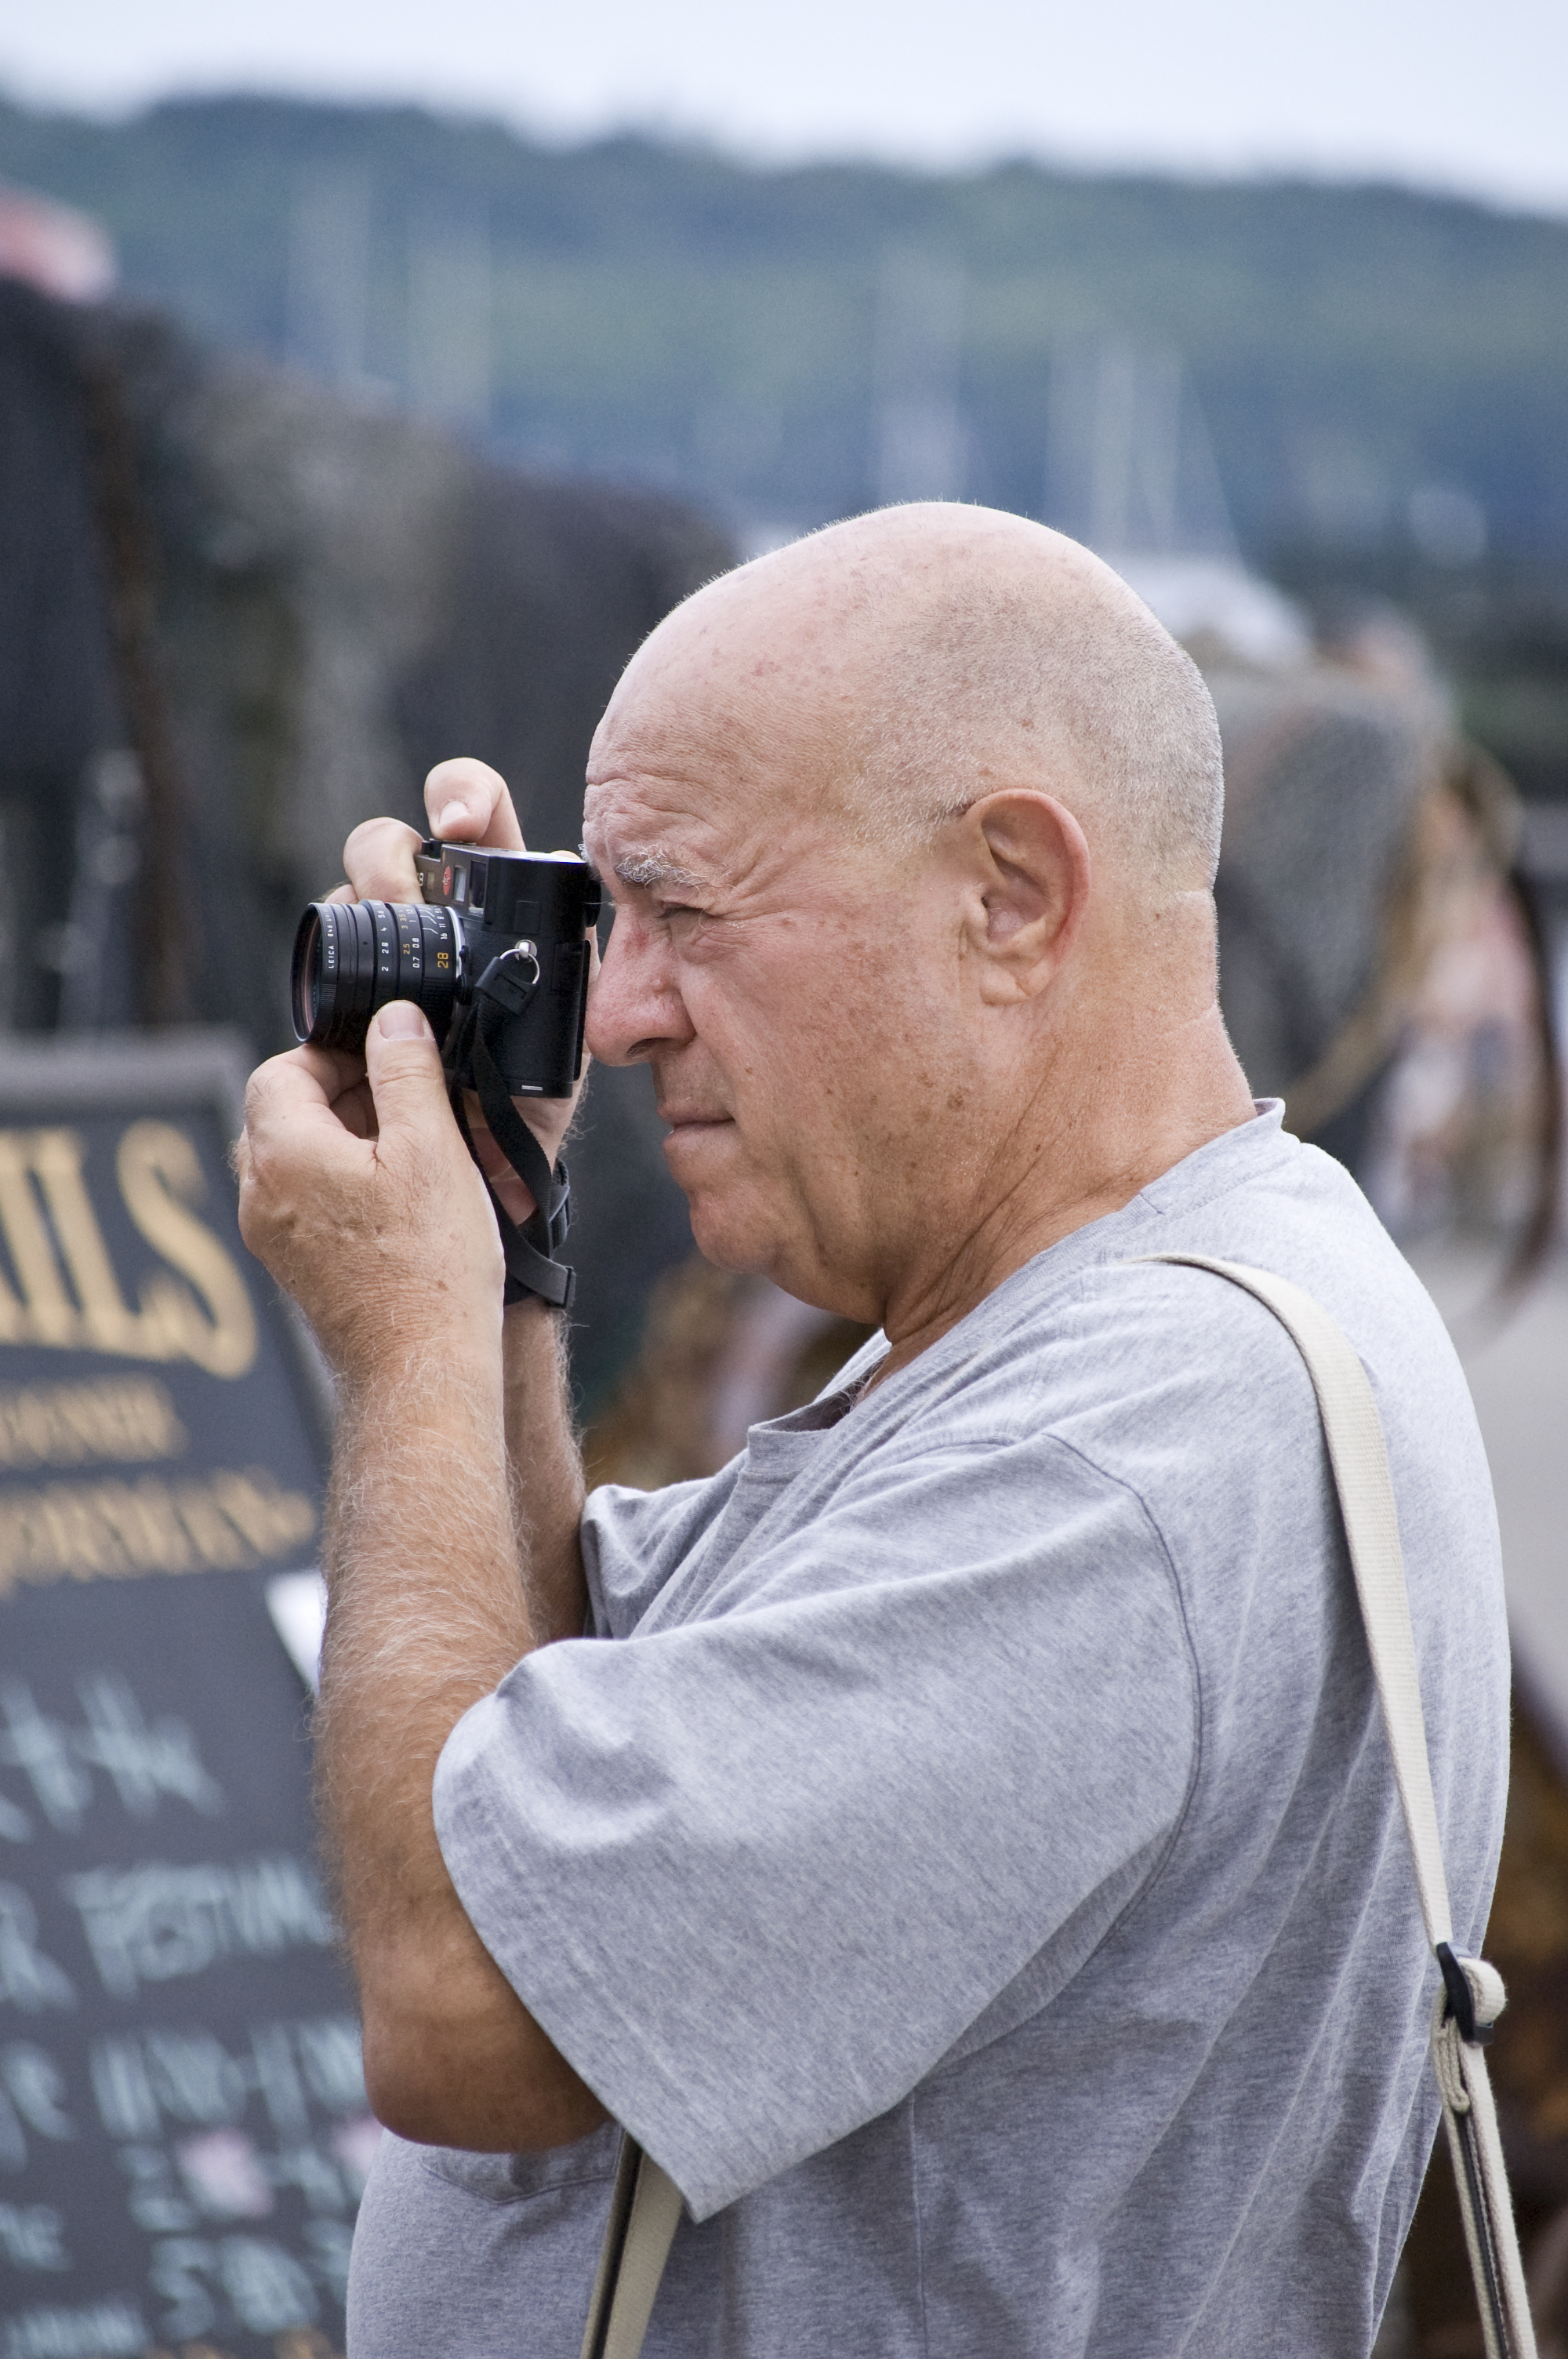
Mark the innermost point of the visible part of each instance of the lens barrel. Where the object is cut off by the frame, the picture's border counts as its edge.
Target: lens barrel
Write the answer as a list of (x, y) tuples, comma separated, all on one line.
[(353, 957)]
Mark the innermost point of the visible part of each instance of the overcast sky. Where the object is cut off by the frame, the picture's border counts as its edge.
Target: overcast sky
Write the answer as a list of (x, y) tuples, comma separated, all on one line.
[(1447, 94)]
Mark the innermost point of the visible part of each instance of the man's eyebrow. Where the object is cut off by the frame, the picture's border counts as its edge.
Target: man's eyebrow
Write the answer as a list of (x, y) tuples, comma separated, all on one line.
[(651, 874)]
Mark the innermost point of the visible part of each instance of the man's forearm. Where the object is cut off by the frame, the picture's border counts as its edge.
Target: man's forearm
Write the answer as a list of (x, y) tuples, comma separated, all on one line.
[(426, 1614), (427, 1611), (451, 1552)]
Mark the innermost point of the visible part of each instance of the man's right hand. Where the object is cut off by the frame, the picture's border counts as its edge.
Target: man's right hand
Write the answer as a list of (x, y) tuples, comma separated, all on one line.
[(358, 1193), (356, 1189)]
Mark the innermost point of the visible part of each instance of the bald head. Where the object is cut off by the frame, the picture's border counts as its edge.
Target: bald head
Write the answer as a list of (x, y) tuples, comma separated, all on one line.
[(922, 657)]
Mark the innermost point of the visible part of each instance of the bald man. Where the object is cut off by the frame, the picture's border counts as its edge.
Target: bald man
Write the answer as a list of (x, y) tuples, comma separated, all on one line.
[(963, 1849)]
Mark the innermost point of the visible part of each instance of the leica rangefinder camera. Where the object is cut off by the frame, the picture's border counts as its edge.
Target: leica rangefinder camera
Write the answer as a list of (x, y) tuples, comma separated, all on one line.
[(521, 919)]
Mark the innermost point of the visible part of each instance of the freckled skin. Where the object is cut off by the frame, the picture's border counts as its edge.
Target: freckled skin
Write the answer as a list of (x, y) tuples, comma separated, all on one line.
[(773, 1009)]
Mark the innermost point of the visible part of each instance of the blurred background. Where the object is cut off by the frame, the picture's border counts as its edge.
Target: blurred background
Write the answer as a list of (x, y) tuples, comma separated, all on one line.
[(371, 382)]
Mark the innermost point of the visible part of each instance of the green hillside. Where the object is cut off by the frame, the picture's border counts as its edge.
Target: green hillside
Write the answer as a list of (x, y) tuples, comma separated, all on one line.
[(786, 345), (670, 313)]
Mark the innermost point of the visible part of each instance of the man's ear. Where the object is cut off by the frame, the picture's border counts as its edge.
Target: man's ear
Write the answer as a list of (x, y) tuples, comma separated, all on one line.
[(1032, 868)]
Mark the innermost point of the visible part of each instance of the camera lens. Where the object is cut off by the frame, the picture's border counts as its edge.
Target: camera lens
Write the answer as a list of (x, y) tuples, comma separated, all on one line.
[(353, 957), (307, 986)]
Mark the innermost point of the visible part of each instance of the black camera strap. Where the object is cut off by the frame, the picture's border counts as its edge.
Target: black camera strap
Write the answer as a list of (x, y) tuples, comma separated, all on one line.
[(503, 991)]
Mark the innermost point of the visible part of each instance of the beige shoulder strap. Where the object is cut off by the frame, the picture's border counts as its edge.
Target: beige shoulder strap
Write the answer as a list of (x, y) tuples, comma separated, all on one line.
[(645, 2206), (644, 2209), (1471, 1999)]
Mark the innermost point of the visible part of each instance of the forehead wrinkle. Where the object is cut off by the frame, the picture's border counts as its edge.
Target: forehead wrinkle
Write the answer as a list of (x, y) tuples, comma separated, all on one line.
[(650, 828)]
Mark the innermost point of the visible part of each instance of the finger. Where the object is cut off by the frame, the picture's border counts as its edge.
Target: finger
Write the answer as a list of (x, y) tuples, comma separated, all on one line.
[(378, 859), (403, 1066), (303, 1086), (470, 803), (292, 1125)]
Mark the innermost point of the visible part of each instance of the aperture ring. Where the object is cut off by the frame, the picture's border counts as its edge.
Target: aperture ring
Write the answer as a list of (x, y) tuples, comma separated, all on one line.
[(367, 953)]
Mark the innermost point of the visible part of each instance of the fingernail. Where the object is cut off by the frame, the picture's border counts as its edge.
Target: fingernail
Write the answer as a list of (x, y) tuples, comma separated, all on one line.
[(452, 817), (401, 1020)]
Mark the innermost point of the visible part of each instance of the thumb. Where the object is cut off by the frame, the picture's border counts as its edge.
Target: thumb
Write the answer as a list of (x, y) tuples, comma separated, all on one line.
[(404, 1067)]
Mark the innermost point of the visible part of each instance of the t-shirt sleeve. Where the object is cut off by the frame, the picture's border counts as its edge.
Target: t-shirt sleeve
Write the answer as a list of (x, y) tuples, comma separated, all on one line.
[(756, 1875), (634, 1540)]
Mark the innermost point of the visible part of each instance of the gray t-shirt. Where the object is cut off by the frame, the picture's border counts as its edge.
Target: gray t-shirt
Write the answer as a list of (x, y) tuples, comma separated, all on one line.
[(974, 1871)]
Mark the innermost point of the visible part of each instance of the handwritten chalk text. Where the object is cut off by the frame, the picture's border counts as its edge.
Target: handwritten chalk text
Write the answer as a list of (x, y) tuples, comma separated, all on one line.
[(153, 1923), (141, 1761)]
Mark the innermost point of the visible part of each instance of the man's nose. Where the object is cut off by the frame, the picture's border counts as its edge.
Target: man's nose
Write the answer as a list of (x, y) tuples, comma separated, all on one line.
[(635, 1006)]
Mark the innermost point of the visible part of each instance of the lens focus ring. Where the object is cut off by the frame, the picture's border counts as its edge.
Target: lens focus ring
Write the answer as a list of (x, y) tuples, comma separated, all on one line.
[(353, 957)]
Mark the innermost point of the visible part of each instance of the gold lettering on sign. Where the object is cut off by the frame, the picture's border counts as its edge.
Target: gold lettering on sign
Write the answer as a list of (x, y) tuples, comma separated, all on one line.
[(45, 1313), (115, 1531), (109, 1324), (160, 1177), (124, 1418), (197, 1307)]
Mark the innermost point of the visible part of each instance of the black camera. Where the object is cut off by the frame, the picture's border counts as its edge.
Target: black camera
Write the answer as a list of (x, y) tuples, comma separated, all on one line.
[(516, 923)]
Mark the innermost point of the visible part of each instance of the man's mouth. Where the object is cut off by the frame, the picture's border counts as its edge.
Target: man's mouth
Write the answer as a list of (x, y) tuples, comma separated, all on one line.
[(692, 1118)]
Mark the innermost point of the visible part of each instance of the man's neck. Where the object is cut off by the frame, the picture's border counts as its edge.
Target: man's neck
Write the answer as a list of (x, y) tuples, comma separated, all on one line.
[(1058, 1174)]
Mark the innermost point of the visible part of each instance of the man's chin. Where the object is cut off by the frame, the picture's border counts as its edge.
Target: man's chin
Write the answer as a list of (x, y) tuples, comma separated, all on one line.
[(731, 1244), (735, 1226)]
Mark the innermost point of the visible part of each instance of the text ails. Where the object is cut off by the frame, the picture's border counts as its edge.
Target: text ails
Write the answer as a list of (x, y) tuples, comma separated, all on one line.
[(64, 1292)]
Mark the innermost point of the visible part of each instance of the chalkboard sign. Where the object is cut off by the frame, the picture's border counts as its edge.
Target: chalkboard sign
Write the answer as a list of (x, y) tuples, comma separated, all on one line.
[(183, 2127)]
